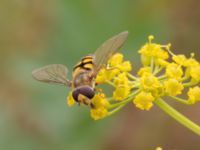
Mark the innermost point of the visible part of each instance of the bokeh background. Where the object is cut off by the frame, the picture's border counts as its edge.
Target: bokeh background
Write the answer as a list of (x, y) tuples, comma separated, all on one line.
[(35, 33)]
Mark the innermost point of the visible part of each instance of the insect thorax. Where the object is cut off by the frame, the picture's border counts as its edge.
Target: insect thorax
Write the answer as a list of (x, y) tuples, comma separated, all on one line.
[(83, 78)]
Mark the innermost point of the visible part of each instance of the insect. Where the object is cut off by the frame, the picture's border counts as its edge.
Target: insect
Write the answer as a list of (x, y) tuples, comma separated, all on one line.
[(84, 72)]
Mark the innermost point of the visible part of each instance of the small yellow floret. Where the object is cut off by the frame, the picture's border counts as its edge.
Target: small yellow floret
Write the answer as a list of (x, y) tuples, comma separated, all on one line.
[(143, 71), (70, 100), (98, 113), (191, 62), (106, 75), (101, 76), (195, 72), (144, 100), (122, 87), (174, 71), (125, 66), (99, 100), (121, 80), (161, 62), (152, 51), (149, 82), (100, 107), (194, 95), (115, 66), (180, 59), (115, 60), (173, 87), (121, 92)]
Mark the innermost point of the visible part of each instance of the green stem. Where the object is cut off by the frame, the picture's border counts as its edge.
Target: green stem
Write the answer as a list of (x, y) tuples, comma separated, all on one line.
[(157, 70), (177, 116), (109, 99), (152, 64), (132, 77), (110, 83), (170, 52), (120, 103), (178, 99), (130, 98), (116, 109), (191, 83), (162, 77), (185, 78)]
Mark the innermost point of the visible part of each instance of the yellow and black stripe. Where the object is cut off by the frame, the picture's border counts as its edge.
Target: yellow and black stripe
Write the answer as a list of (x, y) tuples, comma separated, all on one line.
[(85, 63)]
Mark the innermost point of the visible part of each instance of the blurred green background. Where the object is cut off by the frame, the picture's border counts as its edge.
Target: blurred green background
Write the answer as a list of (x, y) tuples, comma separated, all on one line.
[(35, 33)]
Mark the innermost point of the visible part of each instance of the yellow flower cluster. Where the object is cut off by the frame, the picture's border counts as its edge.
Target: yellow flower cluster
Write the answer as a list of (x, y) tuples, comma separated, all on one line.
[(100, 105), (178, 74), (122, 85), (115, 66), (163, 74), (152, 51), (116, 74)]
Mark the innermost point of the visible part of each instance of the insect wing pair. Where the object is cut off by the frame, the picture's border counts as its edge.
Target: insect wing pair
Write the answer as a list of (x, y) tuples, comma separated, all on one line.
[(57, 73)]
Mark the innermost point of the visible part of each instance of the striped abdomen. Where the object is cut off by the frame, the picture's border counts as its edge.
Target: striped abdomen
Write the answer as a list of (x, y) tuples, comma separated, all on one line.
[(86, 63), (82, 72)]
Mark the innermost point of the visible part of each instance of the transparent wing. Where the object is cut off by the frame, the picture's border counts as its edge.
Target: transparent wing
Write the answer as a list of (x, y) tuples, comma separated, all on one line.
[(55, 73), (108, 48)]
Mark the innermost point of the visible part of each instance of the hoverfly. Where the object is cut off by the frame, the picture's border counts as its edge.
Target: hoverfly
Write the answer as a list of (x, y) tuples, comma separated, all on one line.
[(84, 73)]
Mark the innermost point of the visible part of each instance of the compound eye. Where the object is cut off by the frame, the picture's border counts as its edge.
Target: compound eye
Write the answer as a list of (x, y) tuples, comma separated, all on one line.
[(75, 94), (84, 90), (87, 91)]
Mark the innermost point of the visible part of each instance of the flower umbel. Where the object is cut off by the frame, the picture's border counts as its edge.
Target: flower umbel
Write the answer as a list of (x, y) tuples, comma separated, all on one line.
[(163, 74)]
